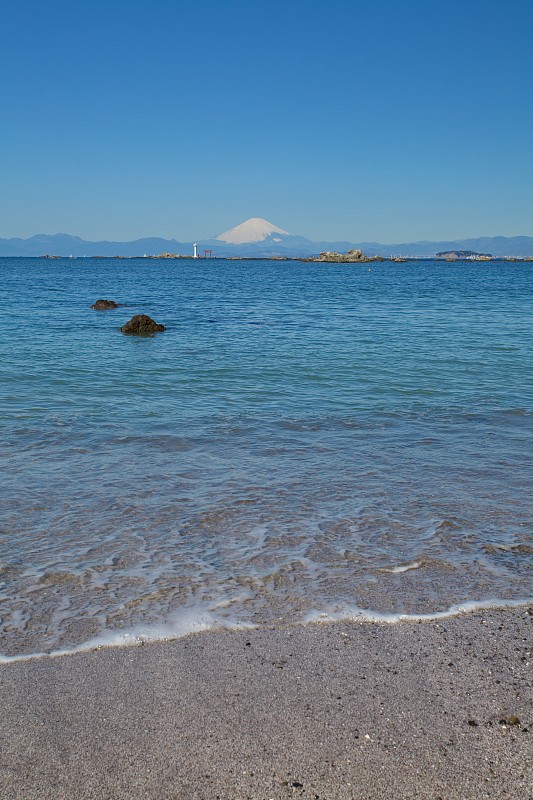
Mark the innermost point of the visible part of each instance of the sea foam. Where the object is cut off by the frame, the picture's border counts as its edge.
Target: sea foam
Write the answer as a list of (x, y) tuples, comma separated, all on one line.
[(201, 620)]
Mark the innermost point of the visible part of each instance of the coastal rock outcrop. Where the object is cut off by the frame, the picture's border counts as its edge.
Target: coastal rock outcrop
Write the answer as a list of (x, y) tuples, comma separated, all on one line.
[(141, 325), (104, 305), (351, 257)]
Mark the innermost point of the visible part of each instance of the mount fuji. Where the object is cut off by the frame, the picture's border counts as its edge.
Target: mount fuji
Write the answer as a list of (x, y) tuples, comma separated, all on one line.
[(258, 237), (253, 230)]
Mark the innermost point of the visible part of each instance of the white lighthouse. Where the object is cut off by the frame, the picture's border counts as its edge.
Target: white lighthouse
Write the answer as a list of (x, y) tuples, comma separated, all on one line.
[(195, 254)]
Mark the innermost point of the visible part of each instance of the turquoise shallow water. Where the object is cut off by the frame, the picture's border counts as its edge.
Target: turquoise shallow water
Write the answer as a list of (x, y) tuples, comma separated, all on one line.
[(302, 439)]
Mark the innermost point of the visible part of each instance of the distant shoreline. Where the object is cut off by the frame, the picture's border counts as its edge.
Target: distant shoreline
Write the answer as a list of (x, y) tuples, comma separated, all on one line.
[(303, 259)]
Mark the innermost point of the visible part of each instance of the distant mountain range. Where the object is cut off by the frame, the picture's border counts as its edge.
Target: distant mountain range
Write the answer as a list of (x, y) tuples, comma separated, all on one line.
[(257, 238)]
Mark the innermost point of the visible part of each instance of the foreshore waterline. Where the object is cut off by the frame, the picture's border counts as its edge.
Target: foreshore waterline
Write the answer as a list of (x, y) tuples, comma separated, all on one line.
[(345, 710), (188, 624)]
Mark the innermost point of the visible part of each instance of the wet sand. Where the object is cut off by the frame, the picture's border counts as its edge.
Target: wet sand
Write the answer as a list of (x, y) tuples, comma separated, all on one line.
[(346, 710)]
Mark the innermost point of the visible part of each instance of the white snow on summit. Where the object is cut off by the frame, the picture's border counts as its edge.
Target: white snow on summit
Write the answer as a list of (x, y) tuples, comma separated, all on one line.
[(253, 230)]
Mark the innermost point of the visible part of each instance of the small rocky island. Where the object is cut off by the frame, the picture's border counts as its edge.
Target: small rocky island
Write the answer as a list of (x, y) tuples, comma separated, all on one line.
[(471, 255), (351, 257)]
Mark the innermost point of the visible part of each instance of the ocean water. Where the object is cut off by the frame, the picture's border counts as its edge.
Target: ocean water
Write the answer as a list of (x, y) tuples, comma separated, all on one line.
[(303, 441)]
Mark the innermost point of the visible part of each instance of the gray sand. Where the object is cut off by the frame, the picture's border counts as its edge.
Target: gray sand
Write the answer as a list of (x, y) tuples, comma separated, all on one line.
[(324, 712)]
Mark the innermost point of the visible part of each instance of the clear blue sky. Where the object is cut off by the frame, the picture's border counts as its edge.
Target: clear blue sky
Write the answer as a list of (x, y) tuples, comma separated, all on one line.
[(386, 120)]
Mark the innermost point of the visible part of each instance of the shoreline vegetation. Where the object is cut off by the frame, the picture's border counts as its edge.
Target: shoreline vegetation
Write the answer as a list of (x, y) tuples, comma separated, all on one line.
[(427, 709)]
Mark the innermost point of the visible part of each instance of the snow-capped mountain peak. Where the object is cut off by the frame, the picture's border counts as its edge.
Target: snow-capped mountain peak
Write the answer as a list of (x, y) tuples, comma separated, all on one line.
[(253, 230)]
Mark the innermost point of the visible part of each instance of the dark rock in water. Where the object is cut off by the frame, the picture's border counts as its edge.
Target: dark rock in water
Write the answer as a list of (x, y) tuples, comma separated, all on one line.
[(103, 305), (141, 325)]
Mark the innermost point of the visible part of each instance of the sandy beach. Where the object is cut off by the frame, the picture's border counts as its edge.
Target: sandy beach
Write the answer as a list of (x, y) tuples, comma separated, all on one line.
[(346, 710)]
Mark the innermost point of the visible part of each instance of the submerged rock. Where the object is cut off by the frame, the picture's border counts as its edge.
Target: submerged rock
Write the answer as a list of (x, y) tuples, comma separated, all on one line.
[(141, 325), (104, 305)]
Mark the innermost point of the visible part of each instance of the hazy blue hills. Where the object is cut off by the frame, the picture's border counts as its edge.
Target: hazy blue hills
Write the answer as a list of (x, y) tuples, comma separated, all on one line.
[(62, 244), (499, 246), (269, 242)]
